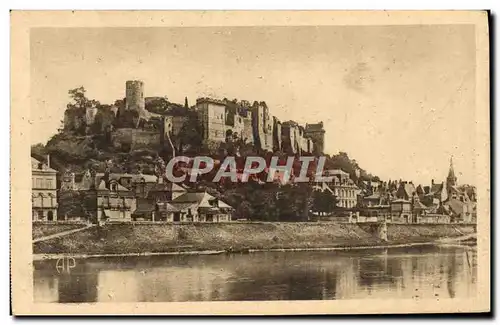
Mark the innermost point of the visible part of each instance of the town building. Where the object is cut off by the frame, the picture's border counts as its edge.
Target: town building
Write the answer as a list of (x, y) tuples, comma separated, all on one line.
[(406, 190), (380, 213), (343, 188), (43, 191), (445, 202), (97, 197), (186, 207), (156, 206), (200, 207), (401, 211)]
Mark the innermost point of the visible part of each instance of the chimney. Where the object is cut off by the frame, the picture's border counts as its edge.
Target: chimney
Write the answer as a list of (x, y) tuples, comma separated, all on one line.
[(48, 161), (432, 181), (73, 185)]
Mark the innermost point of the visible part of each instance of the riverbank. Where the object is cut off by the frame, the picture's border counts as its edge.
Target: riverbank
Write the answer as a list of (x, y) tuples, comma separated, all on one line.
[(45, 229), (140, 239)]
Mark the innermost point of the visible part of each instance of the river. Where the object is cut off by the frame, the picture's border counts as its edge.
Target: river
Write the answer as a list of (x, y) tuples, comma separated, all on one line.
[(417, 272)]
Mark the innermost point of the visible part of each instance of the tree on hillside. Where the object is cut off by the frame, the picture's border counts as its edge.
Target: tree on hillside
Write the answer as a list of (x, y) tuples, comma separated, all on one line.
[(244, 210), (342, 161), (79, 100), (103, 119), (331, 202), (191, 133), (76, 109), (319, 204), (38, 150), (158, 105)]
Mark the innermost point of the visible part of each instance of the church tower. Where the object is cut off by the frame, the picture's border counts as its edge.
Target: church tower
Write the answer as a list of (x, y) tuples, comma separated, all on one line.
[(451, 180)]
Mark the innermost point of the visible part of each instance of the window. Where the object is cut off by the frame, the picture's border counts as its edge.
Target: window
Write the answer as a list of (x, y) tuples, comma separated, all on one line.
[(38, 183), (113, 187), (49, 183)]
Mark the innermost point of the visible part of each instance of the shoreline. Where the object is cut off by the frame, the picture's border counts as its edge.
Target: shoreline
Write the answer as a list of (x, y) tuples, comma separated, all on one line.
[(448, 242)]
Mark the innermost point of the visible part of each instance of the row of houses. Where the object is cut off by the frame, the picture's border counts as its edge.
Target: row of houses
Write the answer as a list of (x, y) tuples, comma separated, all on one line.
[(128, 197), (111, 197), (403, 202)]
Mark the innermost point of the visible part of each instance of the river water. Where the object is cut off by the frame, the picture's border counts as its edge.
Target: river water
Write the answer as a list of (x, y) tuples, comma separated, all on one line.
[(406, 273)]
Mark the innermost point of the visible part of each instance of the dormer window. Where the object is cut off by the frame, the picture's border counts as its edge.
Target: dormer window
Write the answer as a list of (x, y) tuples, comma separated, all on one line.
[(114, 187)]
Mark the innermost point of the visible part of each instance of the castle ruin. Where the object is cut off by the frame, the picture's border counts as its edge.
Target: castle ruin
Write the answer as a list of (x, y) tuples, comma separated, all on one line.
[(222, 120)]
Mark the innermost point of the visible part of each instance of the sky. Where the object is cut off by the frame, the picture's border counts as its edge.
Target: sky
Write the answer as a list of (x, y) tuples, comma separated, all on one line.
[(398, 99)]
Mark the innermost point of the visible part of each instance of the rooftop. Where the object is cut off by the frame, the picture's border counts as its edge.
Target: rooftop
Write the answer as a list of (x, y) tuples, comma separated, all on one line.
[(36, 164), (315, 127)]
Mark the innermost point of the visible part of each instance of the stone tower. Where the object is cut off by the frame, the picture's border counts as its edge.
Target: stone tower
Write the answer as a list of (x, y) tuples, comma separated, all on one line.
[(263, 126), (317, 133), (134, 96)]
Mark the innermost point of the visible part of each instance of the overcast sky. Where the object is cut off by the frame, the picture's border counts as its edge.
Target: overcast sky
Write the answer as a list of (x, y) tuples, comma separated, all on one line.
[(398, 99)]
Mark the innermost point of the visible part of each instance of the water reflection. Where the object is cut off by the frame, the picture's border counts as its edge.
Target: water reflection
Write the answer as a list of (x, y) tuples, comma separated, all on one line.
[(431, 272)]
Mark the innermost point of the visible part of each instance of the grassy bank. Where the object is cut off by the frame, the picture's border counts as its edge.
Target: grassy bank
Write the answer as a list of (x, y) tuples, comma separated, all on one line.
[(40, 230), (140, 238)]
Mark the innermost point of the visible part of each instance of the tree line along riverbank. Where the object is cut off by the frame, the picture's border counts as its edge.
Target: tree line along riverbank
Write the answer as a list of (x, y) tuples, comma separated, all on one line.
[(234, 237)]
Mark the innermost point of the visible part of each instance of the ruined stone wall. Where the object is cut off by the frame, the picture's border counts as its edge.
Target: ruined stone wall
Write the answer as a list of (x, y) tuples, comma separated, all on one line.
[(277, 136), (298, 139), (288, 138), (310, 145), (269, 137), (262, 126), (90, 114), (247, 133), (135, 138)]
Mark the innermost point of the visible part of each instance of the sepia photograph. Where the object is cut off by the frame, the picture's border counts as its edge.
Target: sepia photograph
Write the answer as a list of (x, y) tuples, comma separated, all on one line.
[(231, 162)]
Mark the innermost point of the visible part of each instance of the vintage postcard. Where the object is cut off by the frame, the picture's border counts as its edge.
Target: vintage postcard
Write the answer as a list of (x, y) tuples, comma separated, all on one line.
[(250, 163)]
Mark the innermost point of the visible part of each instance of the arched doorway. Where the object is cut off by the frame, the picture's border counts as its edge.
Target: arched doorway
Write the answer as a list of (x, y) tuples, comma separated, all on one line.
[(50, 216)]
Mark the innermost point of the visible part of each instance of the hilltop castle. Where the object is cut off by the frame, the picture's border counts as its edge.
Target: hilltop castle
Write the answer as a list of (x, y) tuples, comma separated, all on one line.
[(133, 123)]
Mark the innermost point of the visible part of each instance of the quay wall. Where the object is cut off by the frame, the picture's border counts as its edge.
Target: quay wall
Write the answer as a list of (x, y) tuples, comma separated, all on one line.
[(234, 236)]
